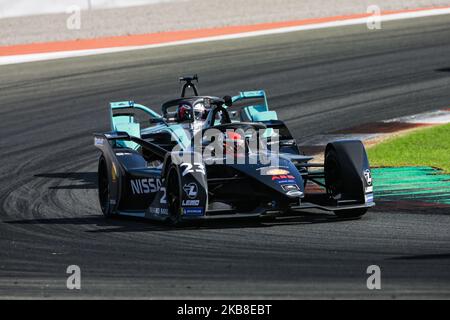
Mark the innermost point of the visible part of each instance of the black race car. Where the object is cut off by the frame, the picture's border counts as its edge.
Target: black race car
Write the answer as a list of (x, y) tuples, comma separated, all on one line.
[(207, 157)]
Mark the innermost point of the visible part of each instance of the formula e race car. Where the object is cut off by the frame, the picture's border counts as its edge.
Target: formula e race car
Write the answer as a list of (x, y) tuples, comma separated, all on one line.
[(208, 157)]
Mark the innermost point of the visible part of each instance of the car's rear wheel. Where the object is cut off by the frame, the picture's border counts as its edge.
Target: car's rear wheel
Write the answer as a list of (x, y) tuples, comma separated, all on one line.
[(174, 196), (103, 189)]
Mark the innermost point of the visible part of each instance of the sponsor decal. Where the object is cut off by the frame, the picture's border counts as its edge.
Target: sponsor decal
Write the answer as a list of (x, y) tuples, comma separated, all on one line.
[(292, 190), (368, 177), (369, 189), (284, 179), (193, 211), (277, 172), (159, 211), (191, 190), (190, 203), (99, 141), (290, 187), (146, 185), (369, 198), (112, 202), (294, 193)]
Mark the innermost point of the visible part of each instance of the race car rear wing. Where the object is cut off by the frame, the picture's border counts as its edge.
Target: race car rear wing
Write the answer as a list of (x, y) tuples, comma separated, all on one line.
[(255, 113), (101, 138), (252, 95), (132, 105), (123, 118)]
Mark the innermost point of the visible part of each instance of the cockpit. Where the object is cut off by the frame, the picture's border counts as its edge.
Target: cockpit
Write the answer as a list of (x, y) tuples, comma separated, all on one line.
[(205, 111)]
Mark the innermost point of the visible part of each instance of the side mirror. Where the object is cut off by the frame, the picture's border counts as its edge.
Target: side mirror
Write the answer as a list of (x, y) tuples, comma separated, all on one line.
[(228, 101)]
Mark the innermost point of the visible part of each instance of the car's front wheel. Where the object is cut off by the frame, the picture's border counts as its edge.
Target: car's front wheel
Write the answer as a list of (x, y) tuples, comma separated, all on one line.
[(333, 181)]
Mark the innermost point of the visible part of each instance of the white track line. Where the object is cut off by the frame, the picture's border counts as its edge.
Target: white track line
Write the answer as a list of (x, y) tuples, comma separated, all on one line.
[(427, 118), (357, 21), (324, 139), (435, 117)]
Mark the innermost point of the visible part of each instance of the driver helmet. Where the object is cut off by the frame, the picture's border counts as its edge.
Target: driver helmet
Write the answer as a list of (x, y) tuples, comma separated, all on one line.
[(200, 112), (184, 113)]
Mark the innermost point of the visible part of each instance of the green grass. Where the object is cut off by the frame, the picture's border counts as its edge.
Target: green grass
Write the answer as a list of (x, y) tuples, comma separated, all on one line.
[(424, 147)]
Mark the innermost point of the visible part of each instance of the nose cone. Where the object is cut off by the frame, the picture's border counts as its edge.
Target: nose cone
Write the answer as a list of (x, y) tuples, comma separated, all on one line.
[(289, 184), (280, 175)]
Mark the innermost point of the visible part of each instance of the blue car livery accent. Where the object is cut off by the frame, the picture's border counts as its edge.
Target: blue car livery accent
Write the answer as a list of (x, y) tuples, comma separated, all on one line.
[(193, 212)]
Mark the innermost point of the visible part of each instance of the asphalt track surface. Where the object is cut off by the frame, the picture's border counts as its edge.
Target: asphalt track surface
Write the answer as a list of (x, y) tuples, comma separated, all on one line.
[(319, 81)]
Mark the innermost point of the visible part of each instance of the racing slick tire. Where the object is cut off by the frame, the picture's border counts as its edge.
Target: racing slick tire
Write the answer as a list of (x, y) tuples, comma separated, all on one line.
[(333, 178), (174, 196), (103, 189)]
